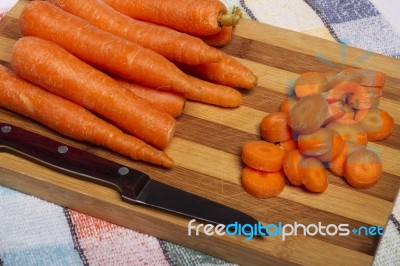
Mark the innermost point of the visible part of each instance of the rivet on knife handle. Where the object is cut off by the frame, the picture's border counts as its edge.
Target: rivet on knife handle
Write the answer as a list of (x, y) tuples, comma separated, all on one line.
[(68, 159)]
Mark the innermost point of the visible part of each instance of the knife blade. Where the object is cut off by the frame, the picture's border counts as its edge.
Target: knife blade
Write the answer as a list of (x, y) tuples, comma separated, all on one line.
[(133, 185)]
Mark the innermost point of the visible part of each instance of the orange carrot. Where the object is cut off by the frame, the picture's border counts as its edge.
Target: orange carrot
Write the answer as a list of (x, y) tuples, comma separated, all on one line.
[(350, 130), (315, 177), (214, 94), (198, 18), (363, 169), (262, 155), (364, 77), (167, 101), (261, 184), (337, 165), (228, 72), (334, 151), (221, 38), (288, 145), (317, 143), (291, 162), (170, 43), (102, 49), (60, 72), (275, 127), (378, 124), (311, 83), (72, 120), (288, 104)]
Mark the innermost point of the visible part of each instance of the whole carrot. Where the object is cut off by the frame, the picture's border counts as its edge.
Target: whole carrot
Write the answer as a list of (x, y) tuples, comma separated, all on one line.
[(221, 38), (195, 17), (53, 68), (72, 120), (228, 72), (174, 45), (214, 94), (167, 101), (100, 48)]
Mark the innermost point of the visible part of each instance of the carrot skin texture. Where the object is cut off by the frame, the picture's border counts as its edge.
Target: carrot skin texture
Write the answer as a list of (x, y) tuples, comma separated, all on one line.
[(174, 45), (60, 72), (72, 120), (228, 72), (167, 101), (115, 54), (221, 38), (198, 17)]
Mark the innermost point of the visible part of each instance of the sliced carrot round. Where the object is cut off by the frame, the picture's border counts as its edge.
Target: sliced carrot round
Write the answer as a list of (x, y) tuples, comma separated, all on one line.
[(261, 184), (377, 123), (315, 177), (363, 169), (350, 130), (288, 145), (262, 155), (316, 143), (291, 162), (275, 127), (336, 166), (309, 114)]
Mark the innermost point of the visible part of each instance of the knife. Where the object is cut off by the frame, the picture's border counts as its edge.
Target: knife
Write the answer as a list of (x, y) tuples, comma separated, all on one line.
[(133, 185)]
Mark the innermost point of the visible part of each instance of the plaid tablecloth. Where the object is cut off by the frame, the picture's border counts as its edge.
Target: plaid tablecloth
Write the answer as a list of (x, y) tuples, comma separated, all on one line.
[(36, 232)]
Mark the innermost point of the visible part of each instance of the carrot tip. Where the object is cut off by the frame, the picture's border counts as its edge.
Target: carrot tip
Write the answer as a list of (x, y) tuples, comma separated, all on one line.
[(231, 19)]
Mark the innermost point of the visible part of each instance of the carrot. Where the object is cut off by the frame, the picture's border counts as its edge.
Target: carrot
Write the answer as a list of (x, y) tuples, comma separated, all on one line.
[(350, 130), (102, 49), (170, 43), (288, 104), (288, 145), (334, 151), (198, 18), (318, 142), (221, 38), (315, 177), (363, 169), (261, 184), (60, 72), (167, 101), (262, 155), (378, 124), (291, 162), (311, 83), (228, 72), (337, 164), (364, 77), (275, 127), (343, 89), (214, 94), (309, 114), (72, 120)]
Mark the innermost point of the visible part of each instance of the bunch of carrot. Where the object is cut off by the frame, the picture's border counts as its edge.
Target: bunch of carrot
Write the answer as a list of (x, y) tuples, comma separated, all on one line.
[(326, 124), (103, 60)]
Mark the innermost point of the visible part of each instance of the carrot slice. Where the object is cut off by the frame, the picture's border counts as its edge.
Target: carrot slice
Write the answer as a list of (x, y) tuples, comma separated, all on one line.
[(318, 143), (170, 43), (275, 127), (60, 72), (378, 124), (291, 162), (309, 114), (102, 49), (363, 169), (167, 101), (262, 155), (314, 175), (364, 77), (288, 145), (337, 165), (337, 143), (191, 16), (72, 120), (311, 83), (350, 130), (288, 104), (261, 184)]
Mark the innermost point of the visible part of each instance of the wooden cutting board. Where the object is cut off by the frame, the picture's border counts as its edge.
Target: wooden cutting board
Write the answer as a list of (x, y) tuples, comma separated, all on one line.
[(207, 154)]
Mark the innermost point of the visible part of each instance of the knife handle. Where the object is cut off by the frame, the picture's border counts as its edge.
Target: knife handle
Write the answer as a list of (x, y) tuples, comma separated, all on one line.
[(73, 161)]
